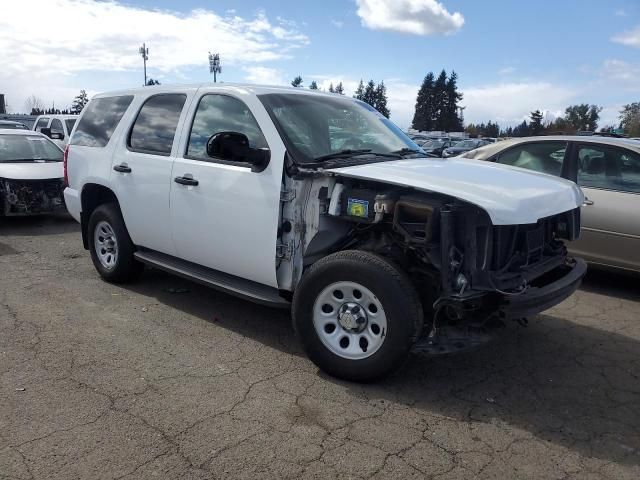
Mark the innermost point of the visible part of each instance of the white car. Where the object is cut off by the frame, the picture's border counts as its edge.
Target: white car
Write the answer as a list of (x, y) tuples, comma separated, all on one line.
[(31, 172), (56, 127), (317, 203)]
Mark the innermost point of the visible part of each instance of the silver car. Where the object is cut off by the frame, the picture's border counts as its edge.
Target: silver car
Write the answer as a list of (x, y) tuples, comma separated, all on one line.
[(607, 169)]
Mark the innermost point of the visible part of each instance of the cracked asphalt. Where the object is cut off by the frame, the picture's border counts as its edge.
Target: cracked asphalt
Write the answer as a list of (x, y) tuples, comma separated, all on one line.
[(168, 379)]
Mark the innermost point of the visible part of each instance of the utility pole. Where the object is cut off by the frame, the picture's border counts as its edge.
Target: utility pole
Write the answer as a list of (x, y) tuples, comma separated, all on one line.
[(144, 51), (214, 65)]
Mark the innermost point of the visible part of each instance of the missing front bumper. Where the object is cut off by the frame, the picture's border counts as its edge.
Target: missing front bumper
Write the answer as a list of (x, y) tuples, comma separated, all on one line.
[(30, 197)]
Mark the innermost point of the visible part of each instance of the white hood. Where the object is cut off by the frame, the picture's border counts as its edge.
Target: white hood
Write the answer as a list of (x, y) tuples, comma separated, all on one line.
[(31, 170), (510, 195)]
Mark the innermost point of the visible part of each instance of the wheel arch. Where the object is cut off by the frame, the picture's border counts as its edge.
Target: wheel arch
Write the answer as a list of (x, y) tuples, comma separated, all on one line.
[(93, 195)]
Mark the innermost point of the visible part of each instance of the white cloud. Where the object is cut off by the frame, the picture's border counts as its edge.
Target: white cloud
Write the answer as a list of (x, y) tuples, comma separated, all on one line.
[(630, 38), (621, 71), (337, 23), (105, 36), (510, 103), (506, 70), (418, 17), (264, 75), (621, 13)]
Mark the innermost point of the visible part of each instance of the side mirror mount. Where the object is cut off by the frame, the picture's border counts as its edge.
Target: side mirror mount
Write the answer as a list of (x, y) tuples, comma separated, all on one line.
[(56, 136), (234, 147)]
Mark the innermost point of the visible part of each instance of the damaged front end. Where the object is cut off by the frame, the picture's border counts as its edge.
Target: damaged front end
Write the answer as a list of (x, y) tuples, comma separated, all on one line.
[(30, 197)]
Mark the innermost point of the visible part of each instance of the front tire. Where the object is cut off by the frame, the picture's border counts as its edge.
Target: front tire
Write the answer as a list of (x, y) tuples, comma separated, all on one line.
[(110, 245), (357, 315)]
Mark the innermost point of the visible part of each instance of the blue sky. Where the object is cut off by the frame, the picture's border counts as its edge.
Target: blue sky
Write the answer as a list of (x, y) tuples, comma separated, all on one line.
[(511, 56)]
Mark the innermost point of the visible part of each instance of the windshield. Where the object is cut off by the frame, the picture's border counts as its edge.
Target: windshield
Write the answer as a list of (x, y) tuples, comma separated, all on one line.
[(314, 126), (16, 148), (467, 144), (434, 143)]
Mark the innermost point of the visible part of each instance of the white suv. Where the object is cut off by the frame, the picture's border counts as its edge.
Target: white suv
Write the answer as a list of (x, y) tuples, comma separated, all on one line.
[(57, 127), (317, 203)]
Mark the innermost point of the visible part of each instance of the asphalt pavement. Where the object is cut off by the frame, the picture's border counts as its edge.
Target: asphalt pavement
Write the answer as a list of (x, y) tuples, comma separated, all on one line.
[(168, 379)]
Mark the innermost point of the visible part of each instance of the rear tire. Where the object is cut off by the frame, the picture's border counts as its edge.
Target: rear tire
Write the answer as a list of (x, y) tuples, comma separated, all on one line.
[(110, 245), (357, 315)]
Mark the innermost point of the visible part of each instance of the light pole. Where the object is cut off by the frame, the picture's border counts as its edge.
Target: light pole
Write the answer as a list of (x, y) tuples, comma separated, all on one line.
[(144, 51), (214, 65)]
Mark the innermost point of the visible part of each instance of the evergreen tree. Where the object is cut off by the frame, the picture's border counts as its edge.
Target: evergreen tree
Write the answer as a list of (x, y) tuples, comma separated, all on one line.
[(536, 126), (313, 85), (630, 119), (423, 116), (359, 94), (380, 102), (79, 102), (151, 81), (452, 122), (331, 90), (340, 89), (583, 116), (522, 130), (297, 82), (440, 102)]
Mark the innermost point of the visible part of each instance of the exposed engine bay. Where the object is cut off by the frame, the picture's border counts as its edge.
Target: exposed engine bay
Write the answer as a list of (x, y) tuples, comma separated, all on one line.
[(30, 197), (472, 275)]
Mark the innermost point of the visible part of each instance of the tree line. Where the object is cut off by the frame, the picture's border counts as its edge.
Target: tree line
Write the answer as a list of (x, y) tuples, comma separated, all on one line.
[(35, 106), (371, 93)]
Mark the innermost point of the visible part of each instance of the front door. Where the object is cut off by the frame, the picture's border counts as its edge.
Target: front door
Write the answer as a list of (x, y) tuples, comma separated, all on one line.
[(610, 179), (141, 172), (223, 214)]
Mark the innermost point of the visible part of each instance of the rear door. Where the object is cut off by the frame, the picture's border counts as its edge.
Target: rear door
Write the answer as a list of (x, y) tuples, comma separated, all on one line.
[(141, 170), (610, 179), (229, 220), (546, 156)]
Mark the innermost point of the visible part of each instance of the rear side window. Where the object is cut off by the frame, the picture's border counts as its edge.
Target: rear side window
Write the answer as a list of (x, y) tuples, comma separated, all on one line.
[(41, 123), (545, 157), (155, 126), (70, 123), (100, 120)]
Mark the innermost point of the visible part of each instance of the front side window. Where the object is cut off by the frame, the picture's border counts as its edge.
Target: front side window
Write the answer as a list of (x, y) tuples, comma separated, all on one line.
[(42, 123), (156, 124), (545, 157), (28, 148), (56, 126), (314, 126), (222, 113), (99, 121), (601, 166)]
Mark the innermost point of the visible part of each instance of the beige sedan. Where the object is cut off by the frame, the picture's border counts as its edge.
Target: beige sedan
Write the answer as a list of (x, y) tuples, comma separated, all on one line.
[(607, 170)]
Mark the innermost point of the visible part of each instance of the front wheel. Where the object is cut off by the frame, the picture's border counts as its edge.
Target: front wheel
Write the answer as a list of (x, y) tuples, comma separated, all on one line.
[(357, 315)]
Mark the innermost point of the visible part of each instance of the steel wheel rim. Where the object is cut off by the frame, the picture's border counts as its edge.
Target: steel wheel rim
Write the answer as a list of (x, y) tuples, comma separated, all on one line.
[(106, 245), (338, 323)]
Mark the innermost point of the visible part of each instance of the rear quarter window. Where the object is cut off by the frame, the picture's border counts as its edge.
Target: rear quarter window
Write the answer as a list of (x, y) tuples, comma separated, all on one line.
[(100, 121)]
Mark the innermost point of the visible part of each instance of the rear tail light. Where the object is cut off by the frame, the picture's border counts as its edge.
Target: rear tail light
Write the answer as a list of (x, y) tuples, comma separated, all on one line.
[(66, 157)]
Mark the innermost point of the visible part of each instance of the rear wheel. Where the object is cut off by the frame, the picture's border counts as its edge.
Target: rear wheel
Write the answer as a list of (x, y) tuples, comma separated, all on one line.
[(110, 245), (357, 315)]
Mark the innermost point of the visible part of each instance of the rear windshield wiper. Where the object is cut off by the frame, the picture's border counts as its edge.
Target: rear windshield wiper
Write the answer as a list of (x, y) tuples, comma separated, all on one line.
[(342, 154)]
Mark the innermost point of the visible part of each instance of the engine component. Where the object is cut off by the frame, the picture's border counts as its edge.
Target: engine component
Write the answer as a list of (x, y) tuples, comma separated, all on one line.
[(28, 197), (416, 219)]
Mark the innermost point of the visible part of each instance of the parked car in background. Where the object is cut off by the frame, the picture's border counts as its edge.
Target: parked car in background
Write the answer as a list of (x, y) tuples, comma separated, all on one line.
[(463, 146), (10, 124), (57, 127), (31, 173), (245, 189), (607, 170), (436, 146)]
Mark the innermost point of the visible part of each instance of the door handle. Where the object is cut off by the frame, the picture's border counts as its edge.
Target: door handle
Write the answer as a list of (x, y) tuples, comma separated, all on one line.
[(587, 202), (186, 181), (122, 168)]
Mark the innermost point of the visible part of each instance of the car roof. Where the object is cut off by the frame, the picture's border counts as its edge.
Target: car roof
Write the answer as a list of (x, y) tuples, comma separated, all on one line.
[(12, 122), (15, 131), (57, 115), (490, 150), (239, 88)]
